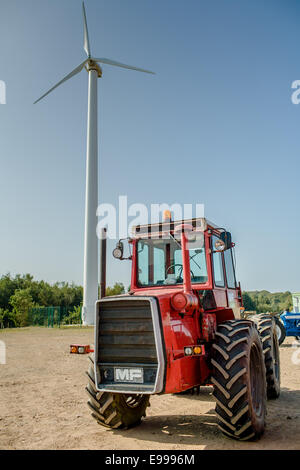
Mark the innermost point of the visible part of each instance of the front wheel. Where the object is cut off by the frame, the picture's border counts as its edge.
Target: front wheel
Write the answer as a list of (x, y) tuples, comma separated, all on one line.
[(114, 410), (239, 379), (280, 330)]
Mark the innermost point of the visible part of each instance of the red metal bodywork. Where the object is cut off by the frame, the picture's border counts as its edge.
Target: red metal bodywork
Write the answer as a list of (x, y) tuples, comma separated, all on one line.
[(189, 328)]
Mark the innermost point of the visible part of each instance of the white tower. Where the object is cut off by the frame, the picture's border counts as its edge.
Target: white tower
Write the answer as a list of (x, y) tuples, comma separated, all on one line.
[(90, 271)]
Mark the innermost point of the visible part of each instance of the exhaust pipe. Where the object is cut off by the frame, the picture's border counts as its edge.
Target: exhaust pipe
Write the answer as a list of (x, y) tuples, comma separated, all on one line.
[(103, 244), (187, 282)]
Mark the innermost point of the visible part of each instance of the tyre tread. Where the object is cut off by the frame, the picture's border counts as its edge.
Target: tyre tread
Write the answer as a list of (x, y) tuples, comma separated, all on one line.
[(230, 380)]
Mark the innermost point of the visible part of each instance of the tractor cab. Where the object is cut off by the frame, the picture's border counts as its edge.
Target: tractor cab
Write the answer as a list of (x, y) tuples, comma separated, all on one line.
[(194, 257)]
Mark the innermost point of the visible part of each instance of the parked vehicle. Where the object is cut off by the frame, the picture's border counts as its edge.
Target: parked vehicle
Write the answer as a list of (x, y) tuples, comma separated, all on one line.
[(291, 324), (179, 327)]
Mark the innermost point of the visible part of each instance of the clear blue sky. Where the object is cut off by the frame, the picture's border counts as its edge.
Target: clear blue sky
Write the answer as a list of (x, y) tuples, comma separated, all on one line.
[(216, 125)]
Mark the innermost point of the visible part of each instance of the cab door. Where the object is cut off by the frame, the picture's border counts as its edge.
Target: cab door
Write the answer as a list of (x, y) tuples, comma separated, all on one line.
[(218, 275), (232, 287)]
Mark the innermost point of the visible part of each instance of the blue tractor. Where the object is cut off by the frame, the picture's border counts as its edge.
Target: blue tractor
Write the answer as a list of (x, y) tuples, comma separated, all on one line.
[(288, 324)]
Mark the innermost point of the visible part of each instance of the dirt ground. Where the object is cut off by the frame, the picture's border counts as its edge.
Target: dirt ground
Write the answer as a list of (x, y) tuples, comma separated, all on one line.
[(43, 403)]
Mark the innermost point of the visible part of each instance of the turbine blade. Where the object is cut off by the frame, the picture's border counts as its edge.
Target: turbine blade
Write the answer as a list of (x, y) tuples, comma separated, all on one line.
[(86, 44), (119, 64), (70, 75)]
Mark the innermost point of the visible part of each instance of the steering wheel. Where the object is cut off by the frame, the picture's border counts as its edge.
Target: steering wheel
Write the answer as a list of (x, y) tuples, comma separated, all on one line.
[(180, 272)]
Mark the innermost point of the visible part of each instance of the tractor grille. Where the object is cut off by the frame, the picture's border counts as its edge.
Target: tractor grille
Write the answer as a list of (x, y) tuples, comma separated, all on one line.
[(126, 340)]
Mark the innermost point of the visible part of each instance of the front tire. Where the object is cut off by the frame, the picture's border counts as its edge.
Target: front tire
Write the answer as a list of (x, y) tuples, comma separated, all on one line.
[(114, 410), (239, 380), (280, 330)]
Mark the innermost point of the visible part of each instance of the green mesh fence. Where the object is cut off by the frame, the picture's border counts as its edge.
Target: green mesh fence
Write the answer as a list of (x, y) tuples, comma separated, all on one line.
[(54, 316)]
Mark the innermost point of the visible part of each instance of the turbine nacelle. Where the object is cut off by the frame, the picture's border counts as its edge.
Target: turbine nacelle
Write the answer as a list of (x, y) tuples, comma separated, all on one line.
[(91, 64)]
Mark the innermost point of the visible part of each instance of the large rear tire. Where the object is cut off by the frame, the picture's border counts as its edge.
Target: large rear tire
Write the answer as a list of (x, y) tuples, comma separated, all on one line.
[(267, 330), (239, 380), (114, 410)]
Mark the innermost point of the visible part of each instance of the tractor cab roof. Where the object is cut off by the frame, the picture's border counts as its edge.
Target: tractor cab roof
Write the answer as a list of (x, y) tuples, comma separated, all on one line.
[(160, 229)]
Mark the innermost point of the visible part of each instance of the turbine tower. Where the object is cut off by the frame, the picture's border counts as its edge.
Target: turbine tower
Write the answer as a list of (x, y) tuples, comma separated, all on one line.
[(90, 273)]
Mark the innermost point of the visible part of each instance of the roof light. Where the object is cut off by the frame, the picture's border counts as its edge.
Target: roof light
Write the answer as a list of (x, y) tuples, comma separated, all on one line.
[(167, 216)]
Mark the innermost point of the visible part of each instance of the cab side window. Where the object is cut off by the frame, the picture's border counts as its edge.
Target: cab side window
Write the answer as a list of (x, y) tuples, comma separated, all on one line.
[(143, 264), (230, 275), (217, 265)]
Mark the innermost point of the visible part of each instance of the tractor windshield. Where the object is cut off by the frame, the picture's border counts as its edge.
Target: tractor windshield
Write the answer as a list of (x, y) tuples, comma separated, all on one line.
[(159, 262)]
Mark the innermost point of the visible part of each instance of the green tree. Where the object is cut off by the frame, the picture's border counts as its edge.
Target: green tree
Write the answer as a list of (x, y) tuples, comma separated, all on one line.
[(7, 319), (73, 317), (7, 289), (265, 301), (21, 302), (117, 289), (249, 304)]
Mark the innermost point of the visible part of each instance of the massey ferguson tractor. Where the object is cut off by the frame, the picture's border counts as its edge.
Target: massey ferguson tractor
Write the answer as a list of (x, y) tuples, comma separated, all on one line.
[(180, 326)]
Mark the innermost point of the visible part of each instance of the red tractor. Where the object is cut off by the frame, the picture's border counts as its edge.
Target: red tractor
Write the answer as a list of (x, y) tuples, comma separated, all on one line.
[(180, 327)]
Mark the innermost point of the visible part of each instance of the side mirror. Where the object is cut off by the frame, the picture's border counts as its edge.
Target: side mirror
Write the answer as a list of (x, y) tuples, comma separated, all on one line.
[(224, 242), (226, 238), (118, 251)]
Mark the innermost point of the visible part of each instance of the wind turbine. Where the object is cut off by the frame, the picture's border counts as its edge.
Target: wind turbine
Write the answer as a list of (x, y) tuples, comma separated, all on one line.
[(90, 273)]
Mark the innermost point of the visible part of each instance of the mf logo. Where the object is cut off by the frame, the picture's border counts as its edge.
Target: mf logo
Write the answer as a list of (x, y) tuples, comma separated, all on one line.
[(2, 353), (129, 375), (2, 92)]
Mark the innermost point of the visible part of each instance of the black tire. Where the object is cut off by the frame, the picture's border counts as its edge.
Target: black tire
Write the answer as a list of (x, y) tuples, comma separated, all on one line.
[(239, 380), (267, 330), (280, 330), (115, 410)]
